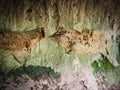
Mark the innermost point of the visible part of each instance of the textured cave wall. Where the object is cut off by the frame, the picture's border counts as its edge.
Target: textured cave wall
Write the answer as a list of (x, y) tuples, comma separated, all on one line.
[(78, 14), (25, 15)]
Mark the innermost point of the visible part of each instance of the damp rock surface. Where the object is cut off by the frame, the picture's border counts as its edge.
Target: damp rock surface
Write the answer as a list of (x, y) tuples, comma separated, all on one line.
[(70, 80)]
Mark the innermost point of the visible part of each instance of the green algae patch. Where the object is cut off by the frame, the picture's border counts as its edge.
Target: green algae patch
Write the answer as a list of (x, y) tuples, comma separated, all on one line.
[(95, 66), (35, 71), (104, 65)]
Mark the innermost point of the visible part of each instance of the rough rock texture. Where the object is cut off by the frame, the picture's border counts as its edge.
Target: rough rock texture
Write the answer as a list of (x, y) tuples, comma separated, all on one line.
[(85, 42), (72, 79), (25, 15), (19, 43), (78, 14)]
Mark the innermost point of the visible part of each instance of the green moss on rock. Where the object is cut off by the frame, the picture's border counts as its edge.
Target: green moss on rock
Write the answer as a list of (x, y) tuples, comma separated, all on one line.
[(104, 65), (33, 71)]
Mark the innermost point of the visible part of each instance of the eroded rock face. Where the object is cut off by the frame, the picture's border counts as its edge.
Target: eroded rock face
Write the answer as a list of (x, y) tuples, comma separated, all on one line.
[(81, 79), (20, 42), (85, 42)]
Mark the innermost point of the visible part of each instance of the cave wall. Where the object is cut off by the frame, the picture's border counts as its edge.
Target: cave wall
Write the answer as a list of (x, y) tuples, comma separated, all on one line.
[(25, 15), (50, 14)]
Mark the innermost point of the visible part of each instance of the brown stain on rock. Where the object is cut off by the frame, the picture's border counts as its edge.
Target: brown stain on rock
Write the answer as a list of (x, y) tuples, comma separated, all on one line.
[(85, 42), (20, 42)]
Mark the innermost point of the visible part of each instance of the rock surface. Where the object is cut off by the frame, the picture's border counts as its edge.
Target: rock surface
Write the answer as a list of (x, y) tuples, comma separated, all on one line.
[(85, 42), (70, 80), (25, 15), (20, 43)]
